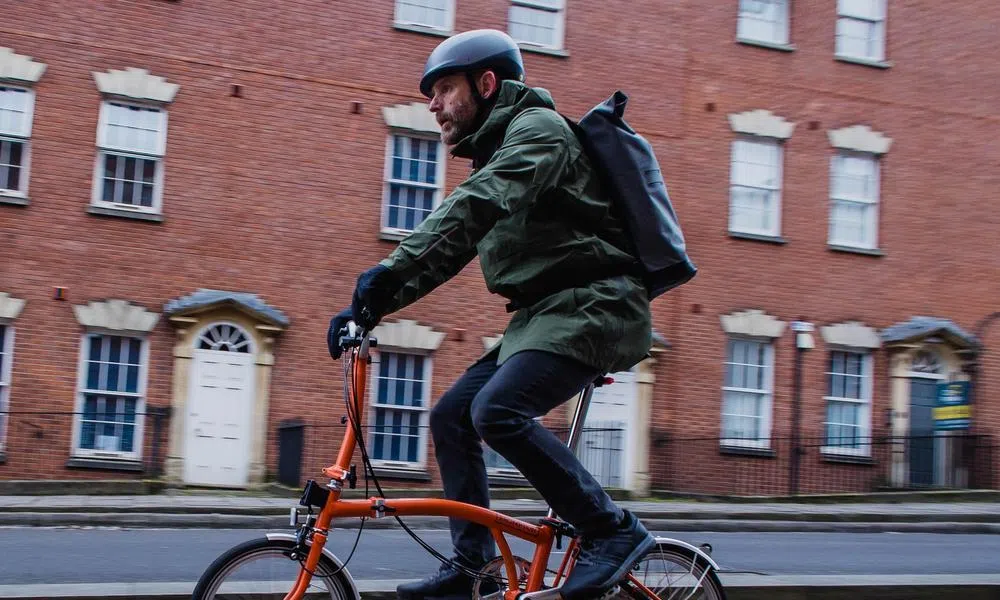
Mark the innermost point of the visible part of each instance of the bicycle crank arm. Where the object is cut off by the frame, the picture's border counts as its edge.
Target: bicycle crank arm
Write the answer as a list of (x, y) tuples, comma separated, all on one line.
[(554, 594)]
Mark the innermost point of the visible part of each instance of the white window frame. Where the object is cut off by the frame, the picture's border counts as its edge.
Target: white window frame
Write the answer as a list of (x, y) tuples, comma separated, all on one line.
[(439, 175), (878, 22), (874, 203), (449, 18), (103, 149), (6, 369), (140, 405), (767, 403), (558, 33), (781, 27), (776, 209), (24, 138), (421, 463), (865, 415)]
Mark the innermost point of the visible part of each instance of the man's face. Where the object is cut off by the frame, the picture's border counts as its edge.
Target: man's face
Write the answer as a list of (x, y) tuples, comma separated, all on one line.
[(453, 106)]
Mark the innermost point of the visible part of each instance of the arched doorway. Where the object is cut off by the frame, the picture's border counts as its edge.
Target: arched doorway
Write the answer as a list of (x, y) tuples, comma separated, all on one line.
[(220, 407)]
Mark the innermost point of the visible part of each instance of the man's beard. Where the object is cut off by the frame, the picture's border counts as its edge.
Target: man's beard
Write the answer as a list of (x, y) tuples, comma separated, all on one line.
[(461, 123)]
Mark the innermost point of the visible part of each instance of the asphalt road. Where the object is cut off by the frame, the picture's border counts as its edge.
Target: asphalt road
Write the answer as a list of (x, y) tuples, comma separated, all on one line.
[(43, 555)]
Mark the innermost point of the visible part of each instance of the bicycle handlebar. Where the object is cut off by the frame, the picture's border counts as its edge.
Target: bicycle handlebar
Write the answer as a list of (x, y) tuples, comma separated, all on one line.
[(355, 336)]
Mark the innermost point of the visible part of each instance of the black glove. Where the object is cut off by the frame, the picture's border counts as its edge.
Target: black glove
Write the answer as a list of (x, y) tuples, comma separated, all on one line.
[(337, 323), (374, 291)]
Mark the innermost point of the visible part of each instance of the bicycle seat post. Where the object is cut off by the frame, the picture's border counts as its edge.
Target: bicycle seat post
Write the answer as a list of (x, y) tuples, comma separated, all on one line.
[(576, 429)]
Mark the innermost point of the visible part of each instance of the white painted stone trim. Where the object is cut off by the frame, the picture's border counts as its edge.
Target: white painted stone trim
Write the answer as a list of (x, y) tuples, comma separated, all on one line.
[(20, 68), (414, 116), (116, 316), (10, 307), (754, 323), (407, 335), (490, 341), (860, 138), (851, 334), (761, 122), (137, 84)]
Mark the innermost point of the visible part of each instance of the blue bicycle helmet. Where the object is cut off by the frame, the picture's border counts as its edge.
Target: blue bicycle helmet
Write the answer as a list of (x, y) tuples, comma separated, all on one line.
[(471, 51)]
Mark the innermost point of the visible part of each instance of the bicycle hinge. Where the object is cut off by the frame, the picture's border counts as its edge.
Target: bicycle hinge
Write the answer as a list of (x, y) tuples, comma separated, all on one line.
[(337, 477), (380, 509)]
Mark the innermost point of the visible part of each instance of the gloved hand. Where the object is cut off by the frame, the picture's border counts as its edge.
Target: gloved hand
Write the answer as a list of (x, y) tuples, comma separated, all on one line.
[(338, 322), (374, 291)]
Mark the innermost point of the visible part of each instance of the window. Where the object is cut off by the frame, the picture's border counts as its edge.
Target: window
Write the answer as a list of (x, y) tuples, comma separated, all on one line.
[(537, 22), (746, 403), (414, 180), (434, 14), (111, 397), (763, 21), (6, 359), (16, 107), (861, 29), (399, 410), (131, 142), (854, 184), (848, 403), (755, 187)]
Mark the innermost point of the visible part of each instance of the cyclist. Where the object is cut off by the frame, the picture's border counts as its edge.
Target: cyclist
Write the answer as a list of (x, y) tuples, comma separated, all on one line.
[(548, 241)]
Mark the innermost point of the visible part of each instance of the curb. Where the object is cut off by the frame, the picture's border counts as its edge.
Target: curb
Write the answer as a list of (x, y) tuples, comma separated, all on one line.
[(229, 521), (737, 587)]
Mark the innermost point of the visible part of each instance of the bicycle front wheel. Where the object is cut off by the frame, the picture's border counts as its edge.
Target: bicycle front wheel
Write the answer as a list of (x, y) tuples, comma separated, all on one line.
[(671, 572), (262, 569)]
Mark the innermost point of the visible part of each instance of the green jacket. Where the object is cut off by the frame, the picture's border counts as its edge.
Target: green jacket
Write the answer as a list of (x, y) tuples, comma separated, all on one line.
[(532, 211)]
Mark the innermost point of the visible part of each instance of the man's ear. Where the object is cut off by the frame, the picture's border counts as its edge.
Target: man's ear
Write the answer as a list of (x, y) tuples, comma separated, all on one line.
[(488, 84)]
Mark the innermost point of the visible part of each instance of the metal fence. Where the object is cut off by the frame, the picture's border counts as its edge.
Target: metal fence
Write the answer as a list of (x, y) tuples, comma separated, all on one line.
[(35, 442), (786, 466), (304, 449)]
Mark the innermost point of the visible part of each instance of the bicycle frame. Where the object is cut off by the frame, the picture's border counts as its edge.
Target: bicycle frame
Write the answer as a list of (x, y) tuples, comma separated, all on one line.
[(542, 536)]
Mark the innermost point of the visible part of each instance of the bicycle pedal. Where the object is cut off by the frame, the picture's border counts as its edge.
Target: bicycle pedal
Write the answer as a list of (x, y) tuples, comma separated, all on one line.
[(614, 591)]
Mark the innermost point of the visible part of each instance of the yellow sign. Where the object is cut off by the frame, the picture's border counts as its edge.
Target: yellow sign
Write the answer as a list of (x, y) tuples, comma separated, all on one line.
[(960, 411)]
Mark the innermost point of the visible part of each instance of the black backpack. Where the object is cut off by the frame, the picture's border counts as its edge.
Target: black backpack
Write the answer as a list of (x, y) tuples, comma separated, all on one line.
[(629, 171)]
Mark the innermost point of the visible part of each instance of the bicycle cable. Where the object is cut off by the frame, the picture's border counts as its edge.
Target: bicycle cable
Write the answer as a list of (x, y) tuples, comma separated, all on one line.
[(355, 422)]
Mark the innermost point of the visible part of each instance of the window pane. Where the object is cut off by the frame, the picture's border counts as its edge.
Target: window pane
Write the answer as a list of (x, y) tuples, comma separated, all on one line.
[(533, 25), (763, 20), (13, 111), (862, 9), (431, 13)]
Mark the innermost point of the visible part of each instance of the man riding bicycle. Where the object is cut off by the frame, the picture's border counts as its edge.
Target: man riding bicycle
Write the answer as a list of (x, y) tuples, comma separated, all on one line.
[(533, 212)]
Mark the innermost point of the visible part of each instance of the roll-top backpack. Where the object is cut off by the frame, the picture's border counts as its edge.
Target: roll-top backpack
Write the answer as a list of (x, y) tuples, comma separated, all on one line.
[(628, 169)]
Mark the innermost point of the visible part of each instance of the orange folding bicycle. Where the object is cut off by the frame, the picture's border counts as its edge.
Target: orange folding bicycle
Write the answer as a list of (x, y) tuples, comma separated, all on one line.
[(298, 565)]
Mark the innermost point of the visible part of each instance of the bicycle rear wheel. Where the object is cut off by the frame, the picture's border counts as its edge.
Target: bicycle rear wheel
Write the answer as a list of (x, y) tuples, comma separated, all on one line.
[(671, 572), (262, 569)]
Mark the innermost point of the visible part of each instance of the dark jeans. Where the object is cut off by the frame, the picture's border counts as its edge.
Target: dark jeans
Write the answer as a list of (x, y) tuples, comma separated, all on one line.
[(499, 404)]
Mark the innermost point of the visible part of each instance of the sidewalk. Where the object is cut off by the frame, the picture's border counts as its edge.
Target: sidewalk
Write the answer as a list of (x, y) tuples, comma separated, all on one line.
[(245, 511)]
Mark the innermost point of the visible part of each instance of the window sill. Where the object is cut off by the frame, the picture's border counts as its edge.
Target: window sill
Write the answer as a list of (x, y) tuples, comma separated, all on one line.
[(848, 459), (855, 250), (14, 200), (507, 479), (765, 44), (867, 62), (400, 473), (105, 464), (757, 237), (421, 29), (747, 451), (543, 50), (393, 235), (124, 214)]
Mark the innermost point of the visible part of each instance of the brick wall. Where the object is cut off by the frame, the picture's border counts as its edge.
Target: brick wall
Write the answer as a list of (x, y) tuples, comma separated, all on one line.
[(278, 192)]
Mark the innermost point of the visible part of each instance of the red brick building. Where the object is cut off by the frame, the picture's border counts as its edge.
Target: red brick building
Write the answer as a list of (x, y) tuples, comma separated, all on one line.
[(187, 193)]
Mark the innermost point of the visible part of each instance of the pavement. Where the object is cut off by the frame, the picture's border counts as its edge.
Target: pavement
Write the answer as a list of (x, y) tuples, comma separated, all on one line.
[(265, 511)]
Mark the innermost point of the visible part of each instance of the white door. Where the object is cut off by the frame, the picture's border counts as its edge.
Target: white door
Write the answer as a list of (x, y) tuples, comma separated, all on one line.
[(219, 418), (605, 449)]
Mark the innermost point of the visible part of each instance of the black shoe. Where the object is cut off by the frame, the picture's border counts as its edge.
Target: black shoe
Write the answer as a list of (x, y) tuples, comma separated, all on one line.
[(604, 560), (449, 582)]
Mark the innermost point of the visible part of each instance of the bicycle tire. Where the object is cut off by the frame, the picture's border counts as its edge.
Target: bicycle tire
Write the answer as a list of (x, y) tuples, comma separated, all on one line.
[(342, 587), (691, 562)]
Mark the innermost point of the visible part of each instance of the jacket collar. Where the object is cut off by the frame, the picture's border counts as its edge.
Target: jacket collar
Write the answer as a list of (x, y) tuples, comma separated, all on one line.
[(512, 98)]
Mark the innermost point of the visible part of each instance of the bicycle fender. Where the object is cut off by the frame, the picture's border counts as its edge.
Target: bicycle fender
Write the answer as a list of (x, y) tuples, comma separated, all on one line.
[(690, 548), (326, 552)]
